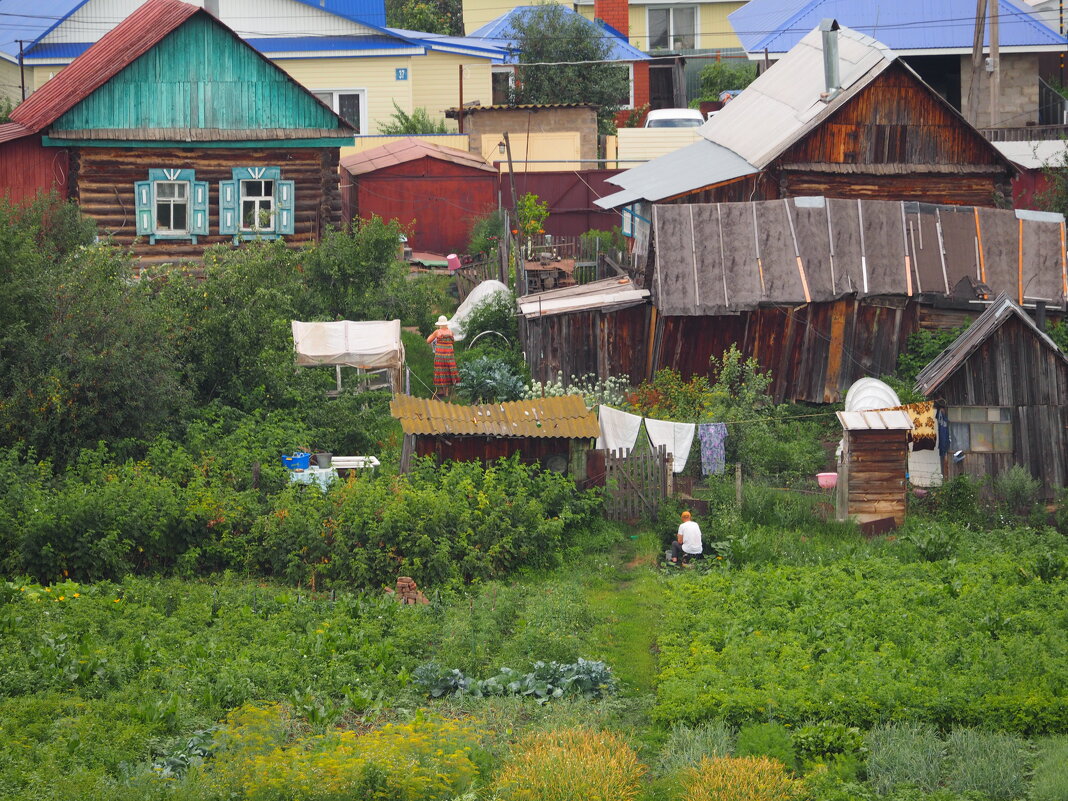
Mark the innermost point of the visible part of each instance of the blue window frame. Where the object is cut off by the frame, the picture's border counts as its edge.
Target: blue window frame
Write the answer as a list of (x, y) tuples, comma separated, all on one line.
[(171, 204)]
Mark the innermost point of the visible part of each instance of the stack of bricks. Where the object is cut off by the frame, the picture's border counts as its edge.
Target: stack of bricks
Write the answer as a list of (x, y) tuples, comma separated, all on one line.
[(407, 592)]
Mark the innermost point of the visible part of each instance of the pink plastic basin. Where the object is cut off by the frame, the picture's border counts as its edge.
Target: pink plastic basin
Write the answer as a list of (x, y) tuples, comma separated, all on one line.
[(827, 480)]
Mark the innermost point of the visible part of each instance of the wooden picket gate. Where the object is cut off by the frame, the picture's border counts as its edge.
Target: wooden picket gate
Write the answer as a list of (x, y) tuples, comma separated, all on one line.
[(635, 483)]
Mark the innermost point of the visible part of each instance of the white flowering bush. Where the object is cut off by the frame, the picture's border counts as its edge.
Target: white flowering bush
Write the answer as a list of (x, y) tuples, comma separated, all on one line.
[(611, 391)]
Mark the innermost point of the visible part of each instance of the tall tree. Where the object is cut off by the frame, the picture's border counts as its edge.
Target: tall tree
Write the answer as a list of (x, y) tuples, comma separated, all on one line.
[(427, 16), (549, 34)]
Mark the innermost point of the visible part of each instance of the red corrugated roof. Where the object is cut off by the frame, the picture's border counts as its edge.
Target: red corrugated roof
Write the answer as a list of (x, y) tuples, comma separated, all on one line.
[(116, 50), (404, 150), (12, 130)]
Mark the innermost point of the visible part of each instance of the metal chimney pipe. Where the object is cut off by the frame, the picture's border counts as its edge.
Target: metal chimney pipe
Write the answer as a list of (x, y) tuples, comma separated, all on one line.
[(831, 77), (212, 7)]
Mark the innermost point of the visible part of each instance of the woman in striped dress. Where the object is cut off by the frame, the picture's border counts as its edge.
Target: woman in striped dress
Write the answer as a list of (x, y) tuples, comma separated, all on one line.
[(445, 373)]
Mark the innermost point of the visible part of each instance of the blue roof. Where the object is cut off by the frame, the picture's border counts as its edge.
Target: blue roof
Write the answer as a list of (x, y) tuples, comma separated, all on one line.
[(499, 30), (276, 44), (901, 25), (439, 41), (31, 20)]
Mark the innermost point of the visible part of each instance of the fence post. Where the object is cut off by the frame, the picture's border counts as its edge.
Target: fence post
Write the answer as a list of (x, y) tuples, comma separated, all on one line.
[(738, 484)]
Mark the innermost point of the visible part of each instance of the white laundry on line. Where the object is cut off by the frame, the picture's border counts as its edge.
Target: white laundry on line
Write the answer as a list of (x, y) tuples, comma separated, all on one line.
[(619, 430), (675, 437)]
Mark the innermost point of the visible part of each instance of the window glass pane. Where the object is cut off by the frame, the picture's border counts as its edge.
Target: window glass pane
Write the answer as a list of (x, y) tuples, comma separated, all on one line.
[(348, 107), (993, 414), (248, 214), (974, 414), (179, 212), (179, 190), (268, 189), (164, 190), (500, 88), (1003, 438), (959, 437), (1006, 415), (163, 216), (326, 97), (683, 19), (659, 28), (252, 188), (956, 414), (982, 437)]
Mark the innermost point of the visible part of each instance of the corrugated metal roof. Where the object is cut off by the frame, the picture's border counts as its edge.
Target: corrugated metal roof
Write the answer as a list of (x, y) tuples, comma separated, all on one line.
[(946, 363), (607, 293), (1034, 155), (701, 164), (200, 134), (546, 417), (128, 41), (404, 150), (875, 421), (905, 25), (499, 31), (468, 110), (12, 130)]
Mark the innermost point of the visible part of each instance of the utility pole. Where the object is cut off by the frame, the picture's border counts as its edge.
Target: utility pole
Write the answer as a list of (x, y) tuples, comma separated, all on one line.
[(995, 66), (520, 274), (460, 112), (977, 62), (22, 69)]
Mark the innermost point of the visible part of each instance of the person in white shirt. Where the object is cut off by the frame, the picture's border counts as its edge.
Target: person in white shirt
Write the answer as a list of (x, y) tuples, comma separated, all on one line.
[(687, 544)]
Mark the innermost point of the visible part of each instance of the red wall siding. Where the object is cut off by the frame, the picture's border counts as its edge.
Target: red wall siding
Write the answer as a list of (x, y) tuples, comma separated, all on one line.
[(437, 199), (1026, 186), (570, 196), (27, 168)]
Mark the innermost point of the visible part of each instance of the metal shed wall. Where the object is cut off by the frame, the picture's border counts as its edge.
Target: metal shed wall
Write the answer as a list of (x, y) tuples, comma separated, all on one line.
[(27, 168)]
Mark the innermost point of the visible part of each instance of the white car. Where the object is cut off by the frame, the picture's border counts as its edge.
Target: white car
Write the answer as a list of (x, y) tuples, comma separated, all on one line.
[(674, 118)]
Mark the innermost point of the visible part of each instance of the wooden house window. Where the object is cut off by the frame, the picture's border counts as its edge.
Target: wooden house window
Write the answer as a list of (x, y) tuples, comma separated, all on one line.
[(257, 203), (171, 205), (672, 27), (980, 429), (257, 206)]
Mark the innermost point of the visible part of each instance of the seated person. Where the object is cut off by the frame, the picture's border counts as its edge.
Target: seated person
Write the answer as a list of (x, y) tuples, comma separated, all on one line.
[(687, 544)]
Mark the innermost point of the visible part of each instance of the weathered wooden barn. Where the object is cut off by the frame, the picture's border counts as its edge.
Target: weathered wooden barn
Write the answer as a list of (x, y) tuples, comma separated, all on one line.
[(1005, 384), (438, 191), (552, 432), (840, 116), (179, 135), (600, 328)]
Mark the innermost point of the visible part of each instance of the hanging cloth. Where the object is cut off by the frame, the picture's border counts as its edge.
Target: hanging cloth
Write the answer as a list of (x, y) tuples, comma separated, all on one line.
[(619, 430), (677, 438), (943, 432), (924, 427), (713, 437)]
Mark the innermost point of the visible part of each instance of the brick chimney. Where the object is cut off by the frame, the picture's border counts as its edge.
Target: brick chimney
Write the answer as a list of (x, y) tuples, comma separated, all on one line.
[(615, 13)]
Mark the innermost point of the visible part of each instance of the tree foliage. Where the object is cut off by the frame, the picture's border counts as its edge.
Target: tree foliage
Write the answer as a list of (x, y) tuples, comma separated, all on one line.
[(428, 16), (549, 32), (723, 76), (402, 123)]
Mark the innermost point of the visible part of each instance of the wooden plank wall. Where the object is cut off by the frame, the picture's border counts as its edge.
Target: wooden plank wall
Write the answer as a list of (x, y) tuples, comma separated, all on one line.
[(815, 351), (27, 169), (487, 449), (103, 179), (1012, 368), (604, 343), (872, 475), (635, 484)]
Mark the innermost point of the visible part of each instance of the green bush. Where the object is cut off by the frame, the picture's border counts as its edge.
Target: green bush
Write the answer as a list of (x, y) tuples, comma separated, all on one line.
[(767, 740), (1016, 491), (488, 380)]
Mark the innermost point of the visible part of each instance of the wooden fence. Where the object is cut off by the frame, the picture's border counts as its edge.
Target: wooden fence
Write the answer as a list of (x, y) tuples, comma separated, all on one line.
[(471, 275), (635, 483)]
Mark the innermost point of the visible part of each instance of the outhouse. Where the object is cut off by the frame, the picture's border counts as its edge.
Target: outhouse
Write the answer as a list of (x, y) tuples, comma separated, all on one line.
[(872, 466)]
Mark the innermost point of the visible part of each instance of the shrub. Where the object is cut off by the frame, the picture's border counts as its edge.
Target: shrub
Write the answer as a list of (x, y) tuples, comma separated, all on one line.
[(489, 380), (402, 123), (495, 313), (569, 764), (1016, 491), (766, 740), (741, 778), (594, 390), (990, 763), (819, 741), (486, 235), (687, 746), (904, 754), (424, 760)]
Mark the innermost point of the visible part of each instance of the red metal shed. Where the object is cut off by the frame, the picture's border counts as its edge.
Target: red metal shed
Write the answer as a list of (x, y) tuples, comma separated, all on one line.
[(438, 191)]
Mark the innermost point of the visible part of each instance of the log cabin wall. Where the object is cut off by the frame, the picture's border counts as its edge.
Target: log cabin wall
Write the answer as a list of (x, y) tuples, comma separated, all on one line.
[(103, 181), (1013, 369)]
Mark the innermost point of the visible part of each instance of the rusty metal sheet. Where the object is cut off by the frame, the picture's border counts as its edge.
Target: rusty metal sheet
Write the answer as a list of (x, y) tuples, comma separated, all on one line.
[(545, 417), (1042, 261)]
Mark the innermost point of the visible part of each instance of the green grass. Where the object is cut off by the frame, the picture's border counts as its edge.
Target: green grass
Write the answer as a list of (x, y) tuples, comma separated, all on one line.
[(420, 360)]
